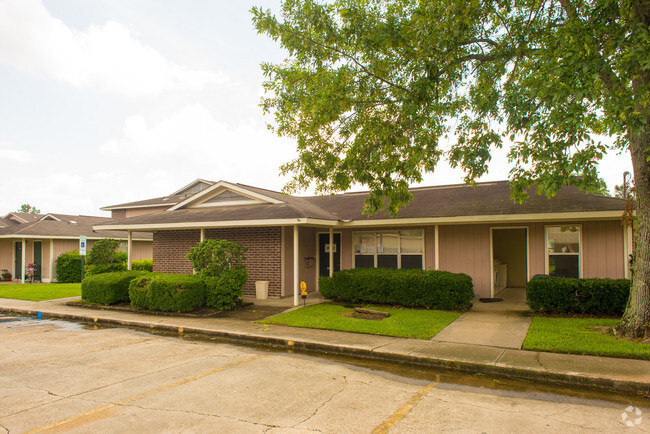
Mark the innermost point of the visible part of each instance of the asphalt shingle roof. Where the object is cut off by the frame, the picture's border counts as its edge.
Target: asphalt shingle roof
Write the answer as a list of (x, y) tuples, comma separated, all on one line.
[(68, 226), (490, 198)]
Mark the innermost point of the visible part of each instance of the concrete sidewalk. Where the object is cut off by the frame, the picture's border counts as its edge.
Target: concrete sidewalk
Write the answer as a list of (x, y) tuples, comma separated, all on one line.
[(623, 375), (501, 324)]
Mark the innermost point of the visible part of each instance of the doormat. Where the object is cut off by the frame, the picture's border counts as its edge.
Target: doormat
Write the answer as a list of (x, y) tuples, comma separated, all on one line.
[(490, 300)]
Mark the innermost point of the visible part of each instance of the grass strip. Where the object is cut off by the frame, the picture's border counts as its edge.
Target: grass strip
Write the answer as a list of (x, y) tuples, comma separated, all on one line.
[(40, 291), (404, 323), (581, 336)]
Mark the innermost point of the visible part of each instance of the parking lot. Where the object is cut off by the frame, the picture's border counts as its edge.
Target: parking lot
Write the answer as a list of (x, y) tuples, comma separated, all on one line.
[(59, 376)]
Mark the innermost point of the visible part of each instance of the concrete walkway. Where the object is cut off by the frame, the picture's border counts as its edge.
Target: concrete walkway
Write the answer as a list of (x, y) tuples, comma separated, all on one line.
[(623, 375), (501, 324)]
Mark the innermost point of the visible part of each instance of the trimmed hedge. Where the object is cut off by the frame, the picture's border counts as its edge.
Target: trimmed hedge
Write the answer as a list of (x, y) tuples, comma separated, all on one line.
[(139, 291), (167, 292), (582, 296), (92, 270), (408, 288), (142, 264), (108, 288), (223, 292), (68, 267)]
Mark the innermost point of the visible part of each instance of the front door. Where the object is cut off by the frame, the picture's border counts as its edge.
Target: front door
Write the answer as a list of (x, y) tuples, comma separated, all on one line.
[(18, 267), (38, 249), (324, 254)]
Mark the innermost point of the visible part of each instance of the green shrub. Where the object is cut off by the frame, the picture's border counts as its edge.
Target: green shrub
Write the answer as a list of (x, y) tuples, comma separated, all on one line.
[(108, 288), (68, 267), (139, 291), (409, 288), (142, 264), (91, 270), (167, 292), (105, 258), (223, 292), (103, 251), (210, 258), (582, 296)]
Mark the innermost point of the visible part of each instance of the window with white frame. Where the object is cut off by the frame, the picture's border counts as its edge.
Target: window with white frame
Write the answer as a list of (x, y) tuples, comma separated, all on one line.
[(563, 250), (389, 249)]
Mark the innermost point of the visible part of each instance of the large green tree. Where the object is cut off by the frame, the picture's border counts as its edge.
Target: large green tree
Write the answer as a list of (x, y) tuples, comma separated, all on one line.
[(371, 89)]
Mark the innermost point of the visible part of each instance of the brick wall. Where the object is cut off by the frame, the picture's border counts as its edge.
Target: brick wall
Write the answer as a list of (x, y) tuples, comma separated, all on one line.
[(263, 255), (170, 248), (262, 258)]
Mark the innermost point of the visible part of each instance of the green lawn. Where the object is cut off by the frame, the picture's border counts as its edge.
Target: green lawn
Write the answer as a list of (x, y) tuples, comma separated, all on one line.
[(406, 323), (580, 336), (40, 291)]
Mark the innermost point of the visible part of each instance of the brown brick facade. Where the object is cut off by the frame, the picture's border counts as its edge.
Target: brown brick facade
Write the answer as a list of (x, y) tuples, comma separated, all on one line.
[(263, 261), (170, 248)]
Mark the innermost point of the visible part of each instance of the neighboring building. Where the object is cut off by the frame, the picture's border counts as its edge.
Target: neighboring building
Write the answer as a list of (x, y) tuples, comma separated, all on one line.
[(478, 231), (41, 238)]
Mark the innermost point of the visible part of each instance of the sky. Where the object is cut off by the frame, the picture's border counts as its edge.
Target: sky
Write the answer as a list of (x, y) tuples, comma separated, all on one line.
[(110, 101)]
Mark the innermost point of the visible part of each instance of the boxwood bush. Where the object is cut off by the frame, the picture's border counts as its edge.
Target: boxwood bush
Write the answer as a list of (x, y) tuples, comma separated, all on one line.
[(142, 264), (68, 267), (167, 292), (409, 288), (139, 291), (92, 270), (108, 288), (222, 292), (582, 296)]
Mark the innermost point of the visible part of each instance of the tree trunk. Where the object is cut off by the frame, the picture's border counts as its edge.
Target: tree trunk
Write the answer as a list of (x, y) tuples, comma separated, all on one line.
[(636, 319)]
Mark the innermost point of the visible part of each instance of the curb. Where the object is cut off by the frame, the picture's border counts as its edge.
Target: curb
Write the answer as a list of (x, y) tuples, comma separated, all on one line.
[(540, 375)]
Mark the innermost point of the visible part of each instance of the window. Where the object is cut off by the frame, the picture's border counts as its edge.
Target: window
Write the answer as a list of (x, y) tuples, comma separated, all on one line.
[(563, 250), (389, 249)]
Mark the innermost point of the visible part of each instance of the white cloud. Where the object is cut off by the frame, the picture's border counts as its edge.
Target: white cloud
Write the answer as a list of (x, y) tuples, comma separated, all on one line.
[(106, 58), (170, 152), (14, 155)]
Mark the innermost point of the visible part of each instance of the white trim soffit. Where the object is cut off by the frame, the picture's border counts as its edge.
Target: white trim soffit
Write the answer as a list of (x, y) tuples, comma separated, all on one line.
[(507, 218)]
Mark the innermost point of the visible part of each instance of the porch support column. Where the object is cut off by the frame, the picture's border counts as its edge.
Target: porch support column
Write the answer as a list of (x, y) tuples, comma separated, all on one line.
[(436, 250), (51, 260), (22, 261), (331, 251), (202, 234), (296, 263), (129, 247)]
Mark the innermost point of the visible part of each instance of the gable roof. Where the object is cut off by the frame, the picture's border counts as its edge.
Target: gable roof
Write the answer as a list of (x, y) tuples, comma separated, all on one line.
[(203, 198), (486, 202), (64, 226), (194, 187)]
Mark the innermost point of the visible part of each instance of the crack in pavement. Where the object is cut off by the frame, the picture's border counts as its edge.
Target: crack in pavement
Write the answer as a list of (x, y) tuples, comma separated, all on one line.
[(345, 385), (199, 413)]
